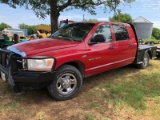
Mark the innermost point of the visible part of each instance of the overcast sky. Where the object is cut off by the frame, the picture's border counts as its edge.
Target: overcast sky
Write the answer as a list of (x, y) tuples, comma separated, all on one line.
[(149, 9)]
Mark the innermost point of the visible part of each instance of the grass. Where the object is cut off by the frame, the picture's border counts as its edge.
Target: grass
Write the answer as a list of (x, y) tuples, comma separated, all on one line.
[(89, 116), (134, 92), (124, 93), (131, 90), (41, 116), (151, 40)]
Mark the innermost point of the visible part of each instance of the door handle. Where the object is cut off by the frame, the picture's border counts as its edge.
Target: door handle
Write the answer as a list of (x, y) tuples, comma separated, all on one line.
[(111, 48), (130, 44)]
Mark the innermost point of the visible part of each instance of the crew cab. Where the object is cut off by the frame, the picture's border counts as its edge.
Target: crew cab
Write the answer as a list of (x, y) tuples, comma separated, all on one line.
[(74, 52)]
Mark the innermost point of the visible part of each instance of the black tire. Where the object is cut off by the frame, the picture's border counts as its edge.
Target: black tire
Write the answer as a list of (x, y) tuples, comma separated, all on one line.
[(145, 62), (66, 83)]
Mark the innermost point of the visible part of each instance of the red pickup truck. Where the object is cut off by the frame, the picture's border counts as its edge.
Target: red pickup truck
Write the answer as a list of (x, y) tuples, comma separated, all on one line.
[(74, 52)]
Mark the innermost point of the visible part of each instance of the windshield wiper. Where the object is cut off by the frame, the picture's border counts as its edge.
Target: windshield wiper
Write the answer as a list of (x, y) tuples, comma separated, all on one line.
[(67, 38), (64, 37)]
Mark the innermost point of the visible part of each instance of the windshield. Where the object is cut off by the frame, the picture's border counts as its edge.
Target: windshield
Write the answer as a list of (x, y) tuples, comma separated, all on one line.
[(62, 24), (74, 32)]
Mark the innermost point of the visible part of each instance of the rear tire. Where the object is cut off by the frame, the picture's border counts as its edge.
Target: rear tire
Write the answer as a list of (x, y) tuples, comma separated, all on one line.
[(145, 62), (66, 83)]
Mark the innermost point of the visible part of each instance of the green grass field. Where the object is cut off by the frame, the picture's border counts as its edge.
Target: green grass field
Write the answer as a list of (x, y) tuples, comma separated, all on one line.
[(151, 40)]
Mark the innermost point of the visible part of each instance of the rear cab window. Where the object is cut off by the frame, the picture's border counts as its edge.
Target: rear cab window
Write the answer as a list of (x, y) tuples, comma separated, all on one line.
[(121, 32)]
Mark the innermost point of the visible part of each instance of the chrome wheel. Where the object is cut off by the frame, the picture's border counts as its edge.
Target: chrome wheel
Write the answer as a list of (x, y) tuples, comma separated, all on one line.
[(66, 84)]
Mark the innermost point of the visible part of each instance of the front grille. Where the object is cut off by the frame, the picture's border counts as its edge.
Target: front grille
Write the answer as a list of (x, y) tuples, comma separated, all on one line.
[(8, 58), (4, 58)]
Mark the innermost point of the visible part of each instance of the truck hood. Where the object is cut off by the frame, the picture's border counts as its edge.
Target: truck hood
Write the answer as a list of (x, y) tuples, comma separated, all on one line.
[(40, 45)]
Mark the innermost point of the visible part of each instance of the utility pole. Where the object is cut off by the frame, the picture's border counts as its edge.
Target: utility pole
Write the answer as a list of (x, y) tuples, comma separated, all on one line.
[(83, 17)]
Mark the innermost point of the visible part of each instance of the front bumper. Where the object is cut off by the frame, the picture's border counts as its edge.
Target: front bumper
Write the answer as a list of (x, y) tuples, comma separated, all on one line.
[(20, 78)]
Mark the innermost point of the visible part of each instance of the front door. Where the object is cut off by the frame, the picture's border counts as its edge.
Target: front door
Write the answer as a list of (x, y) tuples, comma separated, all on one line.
[(101, 56)]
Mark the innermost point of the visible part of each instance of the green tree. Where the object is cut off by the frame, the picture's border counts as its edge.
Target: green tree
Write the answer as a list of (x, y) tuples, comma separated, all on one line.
[(156, 33), (4, 25), (31, 29), (119, 17), (54, 7), (23, 26)]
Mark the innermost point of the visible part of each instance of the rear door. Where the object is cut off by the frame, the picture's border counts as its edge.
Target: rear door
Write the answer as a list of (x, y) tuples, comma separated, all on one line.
[(125, 43)]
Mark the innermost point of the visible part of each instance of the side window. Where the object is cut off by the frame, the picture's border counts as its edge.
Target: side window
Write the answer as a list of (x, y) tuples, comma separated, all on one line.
[(104, 30), (121, 32)]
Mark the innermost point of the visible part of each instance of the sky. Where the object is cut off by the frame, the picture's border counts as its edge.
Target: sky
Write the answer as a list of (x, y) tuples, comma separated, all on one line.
[(149, 9)]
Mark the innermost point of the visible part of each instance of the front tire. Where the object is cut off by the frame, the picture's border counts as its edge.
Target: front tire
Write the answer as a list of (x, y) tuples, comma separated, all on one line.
[(66, 83)]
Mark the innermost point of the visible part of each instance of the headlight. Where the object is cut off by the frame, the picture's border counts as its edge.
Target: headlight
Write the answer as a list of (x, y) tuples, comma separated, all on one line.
[(40, 64)]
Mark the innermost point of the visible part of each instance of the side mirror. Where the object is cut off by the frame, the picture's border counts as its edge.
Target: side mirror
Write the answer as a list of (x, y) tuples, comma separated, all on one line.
[(96, 39)]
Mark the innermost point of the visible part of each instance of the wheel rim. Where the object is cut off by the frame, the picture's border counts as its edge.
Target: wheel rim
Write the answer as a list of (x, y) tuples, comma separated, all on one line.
[(145, 61), (66, 84)]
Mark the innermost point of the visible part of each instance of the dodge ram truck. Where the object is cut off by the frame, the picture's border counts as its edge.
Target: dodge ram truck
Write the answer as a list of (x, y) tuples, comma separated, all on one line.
[(74, 52)]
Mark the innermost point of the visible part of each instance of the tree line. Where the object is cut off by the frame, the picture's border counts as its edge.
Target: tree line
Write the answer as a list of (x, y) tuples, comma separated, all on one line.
[(156, 33)]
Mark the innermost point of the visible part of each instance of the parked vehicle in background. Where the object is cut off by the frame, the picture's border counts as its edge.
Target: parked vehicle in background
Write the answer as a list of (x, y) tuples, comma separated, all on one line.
[(44, 31), (65, 22), (11, 31), (7, 41), (1, 36), (4, 40), (1, 39), (32, 37), (74, 52)]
